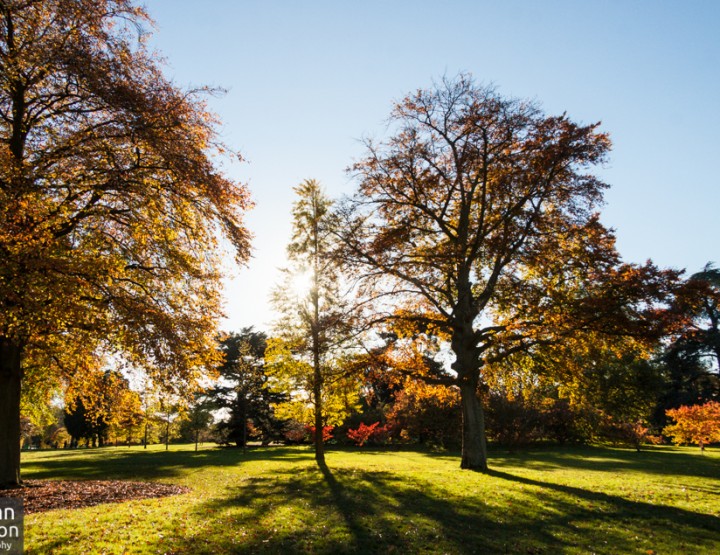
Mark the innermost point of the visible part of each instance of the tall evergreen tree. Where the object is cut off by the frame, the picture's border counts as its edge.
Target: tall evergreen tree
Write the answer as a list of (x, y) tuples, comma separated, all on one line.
[(314, 325), (698, 306), (243, 388)]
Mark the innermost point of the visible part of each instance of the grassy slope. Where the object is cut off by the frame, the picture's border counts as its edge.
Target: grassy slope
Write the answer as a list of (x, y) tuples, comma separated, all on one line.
[(275, 500)]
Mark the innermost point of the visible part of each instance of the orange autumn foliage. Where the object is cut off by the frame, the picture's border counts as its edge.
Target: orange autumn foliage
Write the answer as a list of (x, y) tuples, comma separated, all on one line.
[(112, 207), (696, 424)]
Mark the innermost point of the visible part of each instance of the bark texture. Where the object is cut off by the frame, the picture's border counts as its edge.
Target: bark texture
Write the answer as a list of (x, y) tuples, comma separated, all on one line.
[(10, 380), (474, 447)]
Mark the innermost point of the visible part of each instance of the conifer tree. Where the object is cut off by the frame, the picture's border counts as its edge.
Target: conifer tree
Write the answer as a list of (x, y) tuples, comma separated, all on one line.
[(306, 354)]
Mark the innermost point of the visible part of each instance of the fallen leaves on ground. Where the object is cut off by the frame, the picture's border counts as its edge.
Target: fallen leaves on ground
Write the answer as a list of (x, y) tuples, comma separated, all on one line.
[(47, 495)]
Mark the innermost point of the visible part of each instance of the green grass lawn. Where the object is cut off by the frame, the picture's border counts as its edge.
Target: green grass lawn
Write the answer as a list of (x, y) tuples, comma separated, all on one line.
[(276, 500)]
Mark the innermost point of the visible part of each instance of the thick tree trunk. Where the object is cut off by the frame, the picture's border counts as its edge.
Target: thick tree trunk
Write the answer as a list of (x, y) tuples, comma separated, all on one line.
[(10, 380), (474, 448)]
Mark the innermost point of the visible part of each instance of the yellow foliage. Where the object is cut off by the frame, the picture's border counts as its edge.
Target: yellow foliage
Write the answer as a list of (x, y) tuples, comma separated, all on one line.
[(290, 374), (111, 205)]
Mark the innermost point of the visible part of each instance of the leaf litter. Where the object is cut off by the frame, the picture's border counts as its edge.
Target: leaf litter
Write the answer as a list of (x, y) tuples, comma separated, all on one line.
[(47, 495)]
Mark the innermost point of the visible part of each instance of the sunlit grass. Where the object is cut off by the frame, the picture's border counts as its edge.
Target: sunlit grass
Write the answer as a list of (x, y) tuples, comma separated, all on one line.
[(276, 500)]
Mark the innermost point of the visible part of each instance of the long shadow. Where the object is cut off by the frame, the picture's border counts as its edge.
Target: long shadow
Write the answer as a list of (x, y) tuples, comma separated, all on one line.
[(700, 529), (120, 464), (662, 461), (303, 508), (116, 463), (358, 512), (382, 512), (348, 507)]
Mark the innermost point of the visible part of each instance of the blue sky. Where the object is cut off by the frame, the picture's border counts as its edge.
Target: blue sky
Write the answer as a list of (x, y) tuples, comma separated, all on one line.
[(307, 80)]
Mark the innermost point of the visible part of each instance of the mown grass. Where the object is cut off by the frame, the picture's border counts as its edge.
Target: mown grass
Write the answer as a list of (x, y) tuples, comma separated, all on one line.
[(276, 500)]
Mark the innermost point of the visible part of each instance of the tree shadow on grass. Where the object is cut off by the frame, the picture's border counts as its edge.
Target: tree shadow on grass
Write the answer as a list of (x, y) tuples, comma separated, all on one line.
[(118, 463), (334, 512), (355, 511), (587, 508), (651, 460), (133, 464)]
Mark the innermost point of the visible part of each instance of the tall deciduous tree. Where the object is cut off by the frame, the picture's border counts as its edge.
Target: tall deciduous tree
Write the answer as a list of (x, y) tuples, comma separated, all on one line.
[(466, 215), (110, 204), (314, 324)]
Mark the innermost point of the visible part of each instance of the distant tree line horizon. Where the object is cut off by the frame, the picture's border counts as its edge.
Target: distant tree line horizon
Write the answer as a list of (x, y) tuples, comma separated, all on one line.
[(621, 396)]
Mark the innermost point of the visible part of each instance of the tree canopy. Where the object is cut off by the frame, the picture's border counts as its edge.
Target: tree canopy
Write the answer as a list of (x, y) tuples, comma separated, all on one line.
[(111, 205), (476, 220)]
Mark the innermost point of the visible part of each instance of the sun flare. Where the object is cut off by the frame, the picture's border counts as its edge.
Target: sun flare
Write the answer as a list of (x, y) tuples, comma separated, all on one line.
[(301, 283)]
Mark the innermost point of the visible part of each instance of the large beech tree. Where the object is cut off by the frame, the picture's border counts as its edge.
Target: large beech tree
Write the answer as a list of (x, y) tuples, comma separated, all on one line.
[(110, 204), (469, 221)]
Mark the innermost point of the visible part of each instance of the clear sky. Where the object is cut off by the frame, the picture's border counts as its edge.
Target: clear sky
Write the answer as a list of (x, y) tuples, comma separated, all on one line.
[(307, 80)]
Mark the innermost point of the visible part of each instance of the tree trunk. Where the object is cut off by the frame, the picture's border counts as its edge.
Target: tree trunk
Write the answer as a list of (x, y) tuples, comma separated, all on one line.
[(317, 368), (10, 380), (244, 424), (317, 393), (474, 448)]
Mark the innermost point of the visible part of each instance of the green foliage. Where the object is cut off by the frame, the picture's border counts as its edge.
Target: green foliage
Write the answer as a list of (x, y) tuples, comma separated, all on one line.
[(591, 387), (243, 390), (520, 421), (697, 304), (81, 425), (197, 424), (690, 362), (49, 433)]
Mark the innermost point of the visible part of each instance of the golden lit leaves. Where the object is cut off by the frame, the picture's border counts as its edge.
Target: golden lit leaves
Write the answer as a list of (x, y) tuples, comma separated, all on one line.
[(475, 215), (697, 424), (408, 322), (290, 373), (104, 397), (111, 206)]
